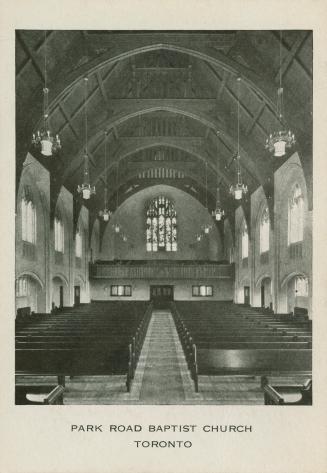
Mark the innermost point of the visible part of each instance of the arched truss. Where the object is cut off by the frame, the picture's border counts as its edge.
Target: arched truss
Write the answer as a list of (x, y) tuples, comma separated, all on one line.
[(199, 195), (198, 179), (198, 154), (253, 168), (265, 89), (262, 86)]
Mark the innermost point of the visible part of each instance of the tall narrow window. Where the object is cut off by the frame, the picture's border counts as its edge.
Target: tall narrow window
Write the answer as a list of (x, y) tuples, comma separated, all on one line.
[(245, 241), (59, 233), (264, 231), (78, 243), (295, 216), (301, 286), (21, 287), (28, 217), (161, 226)]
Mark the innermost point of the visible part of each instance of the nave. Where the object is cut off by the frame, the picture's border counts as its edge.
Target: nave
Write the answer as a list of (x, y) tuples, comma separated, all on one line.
[(91, 370), (164, 209)]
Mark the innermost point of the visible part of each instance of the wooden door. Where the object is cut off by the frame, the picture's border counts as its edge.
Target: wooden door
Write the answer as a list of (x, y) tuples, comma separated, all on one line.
[(77, 295), (262, 295), (61, 297), (247, 295), (161, 296)]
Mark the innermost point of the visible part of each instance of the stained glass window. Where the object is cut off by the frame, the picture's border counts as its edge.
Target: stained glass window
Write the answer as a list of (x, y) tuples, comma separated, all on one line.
[(59, 233), (301, 286), (295, 216), (264, 231), (161, 226), (245, 241), (21, 287), (28, 217), (78, 243)]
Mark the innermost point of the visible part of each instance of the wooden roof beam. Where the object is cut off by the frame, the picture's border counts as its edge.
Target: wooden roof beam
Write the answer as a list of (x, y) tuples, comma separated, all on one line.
[(255, 119), (28, 58), (291, 54), (30, 54), (101, 87), (294, 56)]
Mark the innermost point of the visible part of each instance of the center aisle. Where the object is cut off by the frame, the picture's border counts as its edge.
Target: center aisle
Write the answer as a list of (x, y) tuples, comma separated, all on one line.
[(162, 381)]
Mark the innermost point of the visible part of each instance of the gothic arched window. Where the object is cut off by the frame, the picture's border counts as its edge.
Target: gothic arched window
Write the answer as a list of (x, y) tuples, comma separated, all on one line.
[(295, 215), (78, 243), (28, 217), (59, 233), (245, 241), (161, 226), (301, 286), (264, 231)]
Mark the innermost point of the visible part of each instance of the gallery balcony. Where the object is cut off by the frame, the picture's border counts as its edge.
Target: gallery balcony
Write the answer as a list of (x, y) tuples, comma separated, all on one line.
[(154, 269)]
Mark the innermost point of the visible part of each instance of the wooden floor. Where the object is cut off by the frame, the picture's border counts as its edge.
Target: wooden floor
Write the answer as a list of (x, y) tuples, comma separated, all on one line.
[(161, 377)]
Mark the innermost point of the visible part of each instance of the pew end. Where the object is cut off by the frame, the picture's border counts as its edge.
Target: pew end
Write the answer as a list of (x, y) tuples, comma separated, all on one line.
[(39, 395), (287, 394)]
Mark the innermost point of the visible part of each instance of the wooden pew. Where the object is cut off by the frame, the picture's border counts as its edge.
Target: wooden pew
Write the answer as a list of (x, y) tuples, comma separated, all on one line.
[(63, 348), (209, 351), (287, 394), (23, 312), (39, 395)]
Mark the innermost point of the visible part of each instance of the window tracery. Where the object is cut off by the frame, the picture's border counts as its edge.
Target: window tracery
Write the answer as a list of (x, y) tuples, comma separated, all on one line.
[(161, 226)]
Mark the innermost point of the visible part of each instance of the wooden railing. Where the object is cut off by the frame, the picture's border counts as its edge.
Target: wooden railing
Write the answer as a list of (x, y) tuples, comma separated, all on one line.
[(161, 270)]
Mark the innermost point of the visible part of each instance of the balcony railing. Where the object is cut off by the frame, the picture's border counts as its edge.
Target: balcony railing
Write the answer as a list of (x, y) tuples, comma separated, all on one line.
[(161, 270)]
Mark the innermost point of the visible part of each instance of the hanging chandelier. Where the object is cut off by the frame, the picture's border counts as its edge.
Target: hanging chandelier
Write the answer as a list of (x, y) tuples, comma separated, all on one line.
[(198, 237), (105, 213), (239, 188), (43, 139), (218, 213), (279, 140), (206, 227), (117, 226), (86, 189)]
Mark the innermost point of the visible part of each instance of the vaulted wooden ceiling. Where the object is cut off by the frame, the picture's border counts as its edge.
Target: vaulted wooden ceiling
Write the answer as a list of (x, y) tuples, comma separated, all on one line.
[(168, 101)]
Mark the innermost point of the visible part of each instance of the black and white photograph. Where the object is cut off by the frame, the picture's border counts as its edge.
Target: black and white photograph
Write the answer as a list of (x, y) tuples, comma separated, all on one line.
[(164, 217), (163, 245)]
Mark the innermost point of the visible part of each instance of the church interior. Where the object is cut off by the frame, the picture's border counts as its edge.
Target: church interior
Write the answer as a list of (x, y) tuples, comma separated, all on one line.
[(163, 217)]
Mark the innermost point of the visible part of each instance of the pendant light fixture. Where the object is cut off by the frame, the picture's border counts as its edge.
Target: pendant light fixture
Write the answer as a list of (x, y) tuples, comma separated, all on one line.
[(86, 189), (239, 188), (218, 213), (44, 140), (105, 213), (279, 140), (117, 226), (206, 227)]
